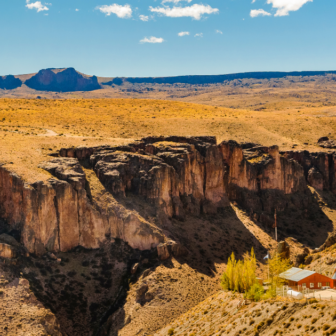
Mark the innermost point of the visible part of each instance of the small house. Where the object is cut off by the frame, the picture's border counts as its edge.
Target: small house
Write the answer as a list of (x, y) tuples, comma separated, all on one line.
[(302, 279)]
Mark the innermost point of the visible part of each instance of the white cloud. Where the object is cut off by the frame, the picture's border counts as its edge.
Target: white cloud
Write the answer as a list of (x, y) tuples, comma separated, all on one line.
[(152, 39), (253, 1), (123, 12), (143, 17), (219, 32), (36, 5), (195, 11), (175, 1), (183, 34), (259, 12), (285, 6), (77, 10), (199, 35)]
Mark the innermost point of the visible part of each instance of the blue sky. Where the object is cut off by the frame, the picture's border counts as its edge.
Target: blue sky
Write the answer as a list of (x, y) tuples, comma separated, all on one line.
[(167, 38)]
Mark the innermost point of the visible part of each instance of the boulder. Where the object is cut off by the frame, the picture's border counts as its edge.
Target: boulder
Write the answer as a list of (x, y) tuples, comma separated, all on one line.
[(141, 291), (171, 248), (322, 139), (315, 179), (283, 250), (135, 268), (7, 239), (300, 258), (7, 251)]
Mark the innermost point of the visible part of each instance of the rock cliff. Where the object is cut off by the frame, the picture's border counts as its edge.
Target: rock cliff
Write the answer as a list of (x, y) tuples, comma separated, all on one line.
[(176, 176), (66, 80), (9, 82), (319, 168)]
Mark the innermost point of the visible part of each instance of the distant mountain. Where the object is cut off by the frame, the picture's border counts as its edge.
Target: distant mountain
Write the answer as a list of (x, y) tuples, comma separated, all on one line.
[(213, 79), (62, 80), (9, 82), (70, 80)]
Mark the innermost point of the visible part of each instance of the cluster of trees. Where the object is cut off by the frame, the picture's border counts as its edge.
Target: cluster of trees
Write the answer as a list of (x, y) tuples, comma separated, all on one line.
[(240, 276)]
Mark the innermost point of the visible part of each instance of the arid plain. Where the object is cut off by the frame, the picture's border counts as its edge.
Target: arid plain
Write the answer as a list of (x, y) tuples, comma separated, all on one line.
[(292, 113)]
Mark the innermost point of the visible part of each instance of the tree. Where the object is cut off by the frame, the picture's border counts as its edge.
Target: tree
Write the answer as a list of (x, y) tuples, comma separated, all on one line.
[(240, 275), (276, 266)]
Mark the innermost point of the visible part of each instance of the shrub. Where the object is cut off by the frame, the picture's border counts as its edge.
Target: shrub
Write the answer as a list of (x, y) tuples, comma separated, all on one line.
[(314, 320), (325, 327), (171, 331), (299, 326), (255, 292)]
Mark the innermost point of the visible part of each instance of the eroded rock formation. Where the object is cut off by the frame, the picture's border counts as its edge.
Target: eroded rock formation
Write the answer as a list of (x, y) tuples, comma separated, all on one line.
[(319, 168), (62, 80), (9, 82), (174, 175)]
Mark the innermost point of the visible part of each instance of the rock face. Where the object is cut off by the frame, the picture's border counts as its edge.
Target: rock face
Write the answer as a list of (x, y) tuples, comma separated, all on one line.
[(174, 175), (283, 250), (66, 80), (319, 168), (57, 215), (7, 251), (9, 82), (325, 142)]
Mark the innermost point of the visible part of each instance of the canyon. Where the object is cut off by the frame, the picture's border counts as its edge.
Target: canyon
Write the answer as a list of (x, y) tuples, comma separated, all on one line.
[(120, 230), (175, 175)]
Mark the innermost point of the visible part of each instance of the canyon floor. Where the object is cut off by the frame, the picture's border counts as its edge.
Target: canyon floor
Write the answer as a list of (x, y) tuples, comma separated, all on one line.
[(94, 292)]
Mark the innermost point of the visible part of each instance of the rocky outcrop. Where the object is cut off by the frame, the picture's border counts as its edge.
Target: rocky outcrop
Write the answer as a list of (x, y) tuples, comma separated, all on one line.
[(62, 80), (319, 168), (57, 215), (174, 175), (7, 251), (9, 82), (169, 249), (325, 142), (283, 249)]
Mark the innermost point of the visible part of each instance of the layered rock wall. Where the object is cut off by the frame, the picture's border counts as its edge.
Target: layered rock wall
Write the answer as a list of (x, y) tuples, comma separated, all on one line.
[(57, 215), (176, 175), (319, 168)]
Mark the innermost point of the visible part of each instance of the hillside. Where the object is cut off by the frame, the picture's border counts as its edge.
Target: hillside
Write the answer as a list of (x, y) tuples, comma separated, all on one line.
[(220, 315), (126, 210)]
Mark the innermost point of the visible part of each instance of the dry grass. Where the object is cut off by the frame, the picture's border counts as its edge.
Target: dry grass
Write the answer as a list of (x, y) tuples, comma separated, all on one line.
[(28, 128), (21, 313)]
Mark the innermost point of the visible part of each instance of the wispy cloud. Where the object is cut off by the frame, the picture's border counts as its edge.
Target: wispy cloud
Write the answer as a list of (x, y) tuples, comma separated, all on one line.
[(199, 35), (77, 10), (143, 18), (123, 12), (152, 39), (183, 34), (36, 5), (259, 12), (219, 32), (195, 11), (285, 6), (175, 1)]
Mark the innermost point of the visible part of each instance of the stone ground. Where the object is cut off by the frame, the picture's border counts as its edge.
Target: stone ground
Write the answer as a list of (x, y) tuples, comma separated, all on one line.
[(21, 314)]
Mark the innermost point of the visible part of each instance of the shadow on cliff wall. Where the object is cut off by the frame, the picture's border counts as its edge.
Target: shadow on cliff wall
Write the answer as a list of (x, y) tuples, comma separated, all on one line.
[(299, 215)]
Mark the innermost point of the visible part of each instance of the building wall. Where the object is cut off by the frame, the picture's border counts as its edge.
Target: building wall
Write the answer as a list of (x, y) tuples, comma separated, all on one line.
[(316, 279)]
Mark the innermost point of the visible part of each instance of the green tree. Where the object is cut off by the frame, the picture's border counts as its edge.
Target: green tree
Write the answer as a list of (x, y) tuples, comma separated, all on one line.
[(240, 275), (276, 266)]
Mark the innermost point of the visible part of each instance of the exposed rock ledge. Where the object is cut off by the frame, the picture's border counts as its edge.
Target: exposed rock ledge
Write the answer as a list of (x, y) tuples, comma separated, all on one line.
[(177, 175)]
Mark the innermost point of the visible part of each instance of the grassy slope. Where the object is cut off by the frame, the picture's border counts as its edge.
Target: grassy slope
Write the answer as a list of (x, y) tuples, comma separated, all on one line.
[(219, 315)]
